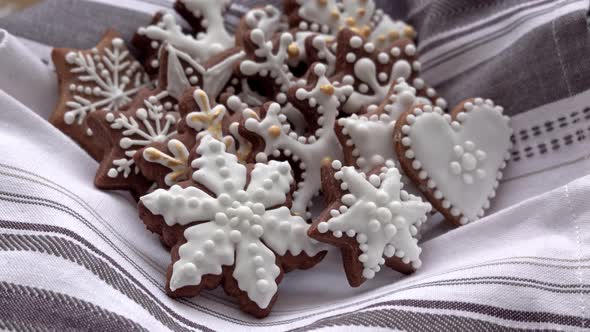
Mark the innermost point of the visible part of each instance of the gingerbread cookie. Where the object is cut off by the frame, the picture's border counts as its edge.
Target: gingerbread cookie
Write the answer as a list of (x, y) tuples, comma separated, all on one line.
[(168, 163), (372, 71), (272, 136), (330, 16), (387, 31), (456, 159), (366, 139), (240, 235), (105, 78), (371, 219)]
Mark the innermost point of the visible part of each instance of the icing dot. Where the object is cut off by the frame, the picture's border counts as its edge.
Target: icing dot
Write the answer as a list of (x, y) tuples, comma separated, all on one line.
[(356, 42), (263, 286), (374, 225), (235, 236), (323, 227)]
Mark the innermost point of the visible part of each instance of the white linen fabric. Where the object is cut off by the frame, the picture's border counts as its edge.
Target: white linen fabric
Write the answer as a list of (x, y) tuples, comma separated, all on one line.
[(73, 257)]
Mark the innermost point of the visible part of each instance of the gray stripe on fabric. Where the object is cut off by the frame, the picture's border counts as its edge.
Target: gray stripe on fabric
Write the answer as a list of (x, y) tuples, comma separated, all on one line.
[(492, 311), (68, 250), (546, 65), (72, 23), (471, 12), (42, 243), (409, 321), (22, 310)]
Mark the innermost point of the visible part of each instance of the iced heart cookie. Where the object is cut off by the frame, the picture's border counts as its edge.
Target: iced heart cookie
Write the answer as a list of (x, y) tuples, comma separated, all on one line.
[(105, 78), (371, 219), (456, 160), (240, 233)]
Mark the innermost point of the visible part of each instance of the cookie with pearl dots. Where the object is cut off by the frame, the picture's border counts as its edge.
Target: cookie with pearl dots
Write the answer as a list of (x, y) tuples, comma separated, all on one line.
[(456, 159), (330, 16), (366, 137), (372, 71), (371, 219), (104, 78), (273, 139), (230, 226), (168, 163)]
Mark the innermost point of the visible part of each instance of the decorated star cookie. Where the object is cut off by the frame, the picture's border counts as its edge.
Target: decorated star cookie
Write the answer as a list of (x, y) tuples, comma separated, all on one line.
[(105, 78), (372, 71), (367, 139), (239, 233), (168, 163), (274, 139), (371, 219), (456, 159)]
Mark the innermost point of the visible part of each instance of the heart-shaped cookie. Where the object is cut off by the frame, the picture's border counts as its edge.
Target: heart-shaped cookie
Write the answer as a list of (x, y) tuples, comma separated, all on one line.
[(455, 159)]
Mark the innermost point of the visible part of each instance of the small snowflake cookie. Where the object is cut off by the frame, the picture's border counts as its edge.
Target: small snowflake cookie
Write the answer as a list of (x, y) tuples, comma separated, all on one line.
[(238, 230), (371, 219), (105, 78), (455, 159)]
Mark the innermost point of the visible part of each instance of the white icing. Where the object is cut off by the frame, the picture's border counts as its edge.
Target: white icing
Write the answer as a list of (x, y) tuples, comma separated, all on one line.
[(268, 19), (388, 31), (372, 137), (330, 16), (240, 225), (148, 125), (214, 78), (106, 81), (365, 71), (273, 65), (461, 158), (213, 41), (382, 217), (310, 151)]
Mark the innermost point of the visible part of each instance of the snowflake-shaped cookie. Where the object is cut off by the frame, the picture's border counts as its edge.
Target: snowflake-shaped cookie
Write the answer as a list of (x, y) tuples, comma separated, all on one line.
[(239, 229), (104, 78), (371, 219), (320, 102), (151, 118)]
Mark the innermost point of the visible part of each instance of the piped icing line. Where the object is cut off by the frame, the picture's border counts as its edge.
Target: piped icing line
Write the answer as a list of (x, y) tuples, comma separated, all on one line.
[(372, 71), (107, 79), (458, 158), (242, 223), (321, 100), (372, 219)]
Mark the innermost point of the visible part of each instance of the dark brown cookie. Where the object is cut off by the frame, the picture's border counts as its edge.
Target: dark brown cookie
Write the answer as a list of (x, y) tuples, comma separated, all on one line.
[(103, 79)]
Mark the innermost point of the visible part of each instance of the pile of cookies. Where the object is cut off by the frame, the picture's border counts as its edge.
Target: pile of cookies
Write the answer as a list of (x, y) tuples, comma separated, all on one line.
[(251, 154)]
